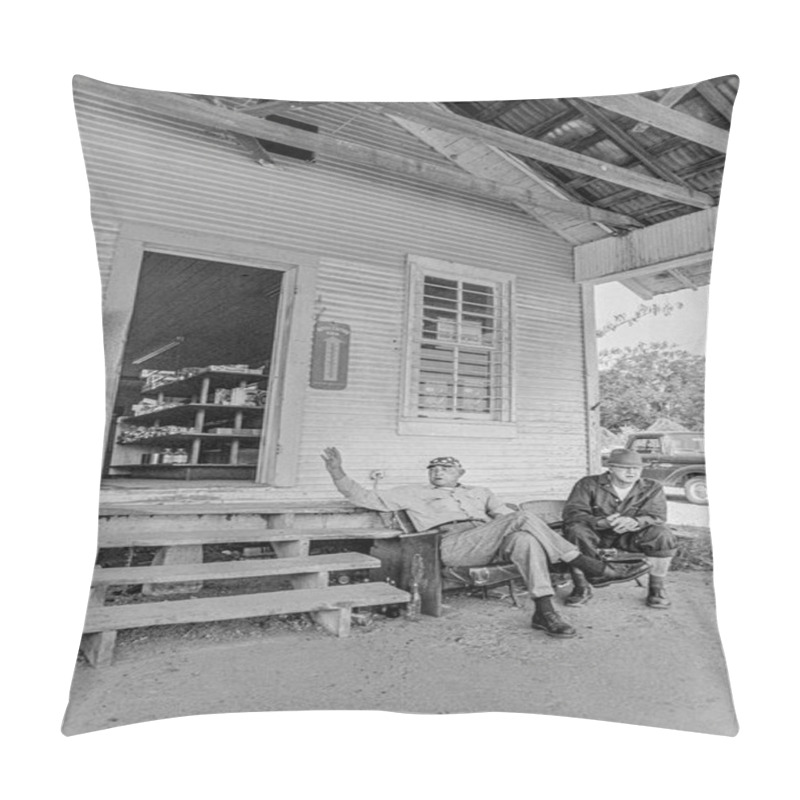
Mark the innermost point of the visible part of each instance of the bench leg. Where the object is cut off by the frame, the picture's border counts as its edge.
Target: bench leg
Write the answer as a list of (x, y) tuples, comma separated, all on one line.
[(423, 552), (397, 557), (99, 647)]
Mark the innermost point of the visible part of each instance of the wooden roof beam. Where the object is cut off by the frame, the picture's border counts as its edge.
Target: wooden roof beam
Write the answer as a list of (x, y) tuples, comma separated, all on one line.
[(215, 117), (692, 171), (713, 162), (496, 109), (670, 98), (682, 243), (716, 99), (623, 139), (541, 129), (544, 152), (634, 273), (682, 279), (666, 119), (638, 288)]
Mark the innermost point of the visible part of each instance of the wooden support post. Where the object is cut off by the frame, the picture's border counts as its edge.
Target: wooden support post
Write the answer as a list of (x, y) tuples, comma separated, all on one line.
[(238, 419), (99, 647), (336, 621), (175, 554)]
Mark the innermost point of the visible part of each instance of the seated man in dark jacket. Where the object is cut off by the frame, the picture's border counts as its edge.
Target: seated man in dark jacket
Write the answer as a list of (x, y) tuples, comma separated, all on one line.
[(477, 528), (620, 509)]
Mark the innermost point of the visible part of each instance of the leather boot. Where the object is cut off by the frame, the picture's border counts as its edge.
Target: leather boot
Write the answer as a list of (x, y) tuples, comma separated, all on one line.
[(620, 572), (545, 619), (656, 596), (581, 589)]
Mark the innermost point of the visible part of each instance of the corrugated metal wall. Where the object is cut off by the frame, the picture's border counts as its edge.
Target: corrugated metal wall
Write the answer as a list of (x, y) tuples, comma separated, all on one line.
[(362, 224)]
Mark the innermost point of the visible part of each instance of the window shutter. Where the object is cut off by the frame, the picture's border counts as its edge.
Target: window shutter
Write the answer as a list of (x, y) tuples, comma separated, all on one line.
[(460, 346)]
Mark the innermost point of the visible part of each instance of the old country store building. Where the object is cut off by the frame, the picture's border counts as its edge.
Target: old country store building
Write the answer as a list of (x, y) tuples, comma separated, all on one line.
[(401, 280)]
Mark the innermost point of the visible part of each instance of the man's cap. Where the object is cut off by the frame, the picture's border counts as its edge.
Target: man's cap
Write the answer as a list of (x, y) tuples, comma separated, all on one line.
[(624, 458), (444, 461)]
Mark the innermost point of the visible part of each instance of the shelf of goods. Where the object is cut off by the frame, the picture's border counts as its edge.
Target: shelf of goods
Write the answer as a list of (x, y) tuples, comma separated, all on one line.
[(196, 425)]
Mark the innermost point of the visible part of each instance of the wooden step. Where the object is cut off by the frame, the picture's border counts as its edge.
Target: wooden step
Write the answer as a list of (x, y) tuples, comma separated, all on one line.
[(293, 601), (133, 538), (259, 507), (220, 570)]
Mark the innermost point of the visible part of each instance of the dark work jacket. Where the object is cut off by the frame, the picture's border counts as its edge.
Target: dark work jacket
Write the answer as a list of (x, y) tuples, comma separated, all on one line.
[(593, 499)]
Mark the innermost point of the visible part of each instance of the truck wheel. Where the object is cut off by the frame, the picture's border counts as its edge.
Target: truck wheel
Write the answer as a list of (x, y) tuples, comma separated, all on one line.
[(696, 491)]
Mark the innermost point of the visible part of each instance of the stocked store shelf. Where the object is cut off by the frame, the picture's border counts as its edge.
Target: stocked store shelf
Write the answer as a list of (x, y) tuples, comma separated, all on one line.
[(205, 423)]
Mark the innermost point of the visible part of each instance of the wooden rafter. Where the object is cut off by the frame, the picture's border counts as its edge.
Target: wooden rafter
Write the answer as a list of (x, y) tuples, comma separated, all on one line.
[(715, 162), (674, 95), (624, 140), (682, 279), (557, 179), (638, 288), (716, 99), (541, 129), (496, 109), (666, 119), (219, 118), (670, 98), (547, 153)]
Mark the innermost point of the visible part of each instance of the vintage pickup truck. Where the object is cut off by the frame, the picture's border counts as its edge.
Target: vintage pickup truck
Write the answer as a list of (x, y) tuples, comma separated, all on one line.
[(674, 458)]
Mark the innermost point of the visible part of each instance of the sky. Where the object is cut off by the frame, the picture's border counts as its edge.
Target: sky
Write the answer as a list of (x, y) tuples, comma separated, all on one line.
[(684, 327)]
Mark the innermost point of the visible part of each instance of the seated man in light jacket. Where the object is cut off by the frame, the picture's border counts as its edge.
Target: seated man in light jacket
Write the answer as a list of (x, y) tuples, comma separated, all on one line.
[(477, 529), (620, 509)]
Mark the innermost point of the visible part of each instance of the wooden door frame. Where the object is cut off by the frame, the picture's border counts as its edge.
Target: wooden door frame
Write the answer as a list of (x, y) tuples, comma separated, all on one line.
[(592, 380), (279, 451)]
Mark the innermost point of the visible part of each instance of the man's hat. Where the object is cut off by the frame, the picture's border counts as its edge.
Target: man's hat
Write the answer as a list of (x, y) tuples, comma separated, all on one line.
[(445, 461), (624, 458)]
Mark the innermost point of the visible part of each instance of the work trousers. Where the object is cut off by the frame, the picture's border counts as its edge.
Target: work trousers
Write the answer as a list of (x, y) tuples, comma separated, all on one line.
[(521, 538), (657, 541)]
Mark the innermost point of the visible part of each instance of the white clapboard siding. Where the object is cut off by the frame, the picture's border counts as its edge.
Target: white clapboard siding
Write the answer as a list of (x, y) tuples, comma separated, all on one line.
[(363, 224)]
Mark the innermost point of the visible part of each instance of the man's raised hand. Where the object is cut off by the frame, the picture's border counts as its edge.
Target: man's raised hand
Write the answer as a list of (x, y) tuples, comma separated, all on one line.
[(333, 461)]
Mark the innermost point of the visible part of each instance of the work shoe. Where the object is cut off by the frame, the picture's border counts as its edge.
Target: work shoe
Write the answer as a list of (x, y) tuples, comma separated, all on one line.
[(656, 596), (579, 596), (552, 625), (620, 573)]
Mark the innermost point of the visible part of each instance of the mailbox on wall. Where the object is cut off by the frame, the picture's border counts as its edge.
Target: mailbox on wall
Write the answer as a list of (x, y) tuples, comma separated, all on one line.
[(330, 355)]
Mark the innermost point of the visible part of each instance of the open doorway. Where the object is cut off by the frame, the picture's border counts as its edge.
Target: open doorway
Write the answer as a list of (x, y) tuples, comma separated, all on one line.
[(192, 393)]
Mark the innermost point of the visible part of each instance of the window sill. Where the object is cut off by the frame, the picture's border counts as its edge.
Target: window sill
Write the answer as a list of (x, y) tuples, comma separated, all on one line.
[(457, 427)]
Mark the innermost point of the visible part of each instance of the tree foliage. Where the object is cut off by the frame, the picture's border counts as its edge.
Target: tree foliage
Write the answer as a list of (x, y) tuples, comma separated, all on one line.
[(664, 308), (651, 380)]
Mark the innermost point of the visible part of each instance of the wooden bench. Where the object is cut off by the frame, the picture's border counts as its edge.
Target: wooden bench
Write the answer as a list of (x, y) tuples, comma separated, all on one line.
[(179, 566), (412, 560)]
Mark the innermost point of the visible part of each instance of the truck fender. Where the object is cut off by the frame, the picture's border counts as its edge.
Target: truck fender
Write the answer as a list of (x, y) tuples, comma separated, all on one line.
[(680, 476)]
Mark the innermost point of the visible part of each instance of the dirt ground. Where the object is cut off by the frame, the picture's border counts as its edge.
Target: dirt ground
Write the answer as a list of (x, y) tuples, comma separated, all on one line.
[(628, 663)]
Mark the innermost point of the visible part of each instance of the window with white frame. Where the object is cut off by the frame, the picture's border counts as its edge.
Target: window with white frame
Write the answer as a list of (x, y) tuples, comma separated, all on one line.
[(458, 343)]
